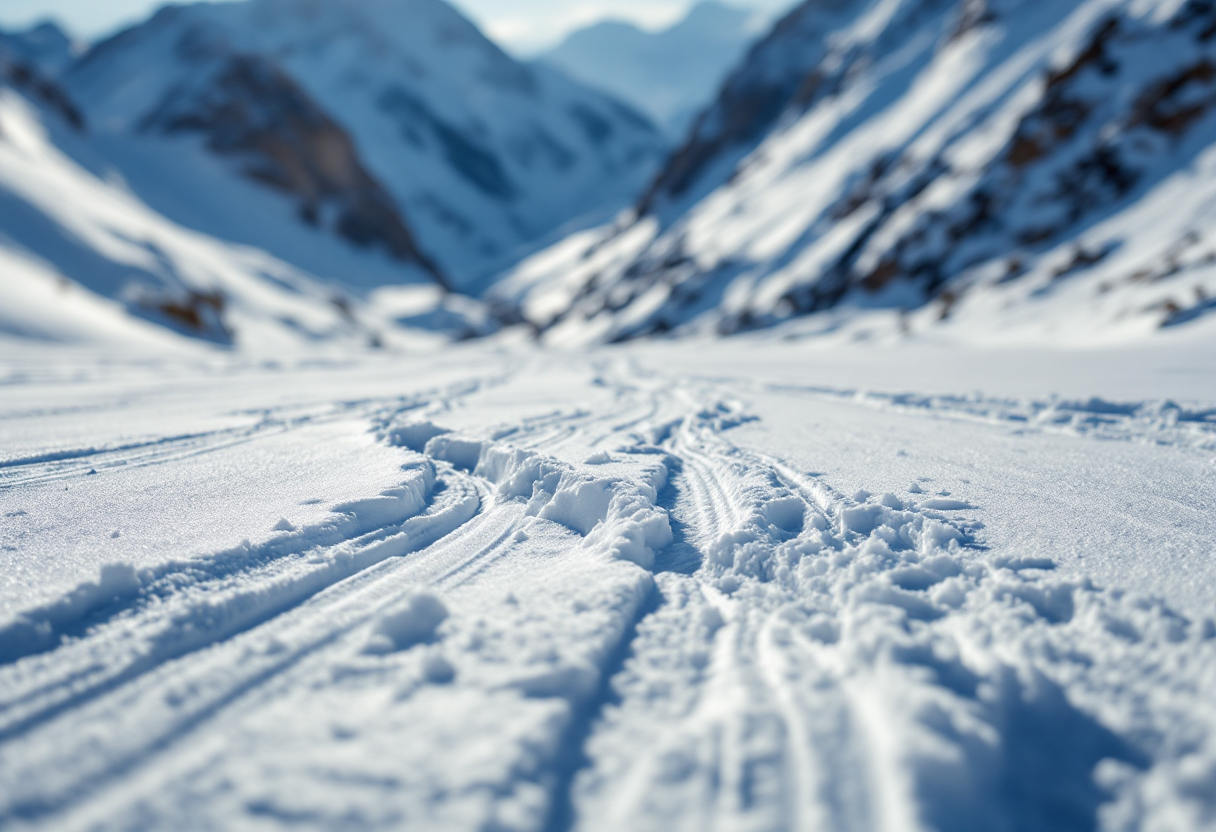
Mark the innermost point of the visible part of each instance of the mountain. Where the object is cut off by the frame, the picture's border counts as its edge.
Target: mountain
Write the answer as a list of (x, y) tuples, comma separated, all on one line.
[(1008, 169), (391, 123), (670, 74), (44, 46), (84, 260)]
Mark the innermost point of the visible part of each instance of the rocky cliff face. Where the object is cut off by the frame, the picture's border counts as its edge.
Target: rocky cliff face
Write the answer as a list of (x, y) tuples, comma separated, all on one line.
[(248, 108), (781, 70), (978, 158)]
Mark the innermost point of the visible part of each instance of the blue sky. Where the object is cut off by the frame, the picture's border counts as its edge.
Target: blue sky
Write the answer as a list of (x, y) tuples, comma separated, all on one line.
[(523, 25)]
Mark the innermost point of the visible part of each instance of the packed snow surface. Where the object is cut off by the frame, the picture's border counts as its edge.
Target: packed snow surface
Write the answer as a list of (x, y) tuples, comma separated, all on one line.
[(745, 585)]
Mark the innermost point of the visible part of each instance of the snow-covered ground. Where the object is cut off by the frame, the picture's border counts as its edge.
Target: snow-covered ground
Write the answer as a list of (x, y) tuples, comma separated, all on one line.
[(734, 585)]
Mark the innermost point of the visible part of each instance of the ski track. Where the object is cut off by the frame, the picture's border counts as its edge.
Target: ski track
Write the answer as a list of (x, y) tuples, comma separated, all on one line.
[(797, 659)]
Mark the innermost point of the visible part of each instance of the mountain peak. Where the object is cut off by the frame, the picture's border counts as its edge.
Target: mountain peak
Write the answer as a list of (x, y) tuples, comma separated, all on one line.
[(45, 46), (712, 15), (671, 73), (480, 154)]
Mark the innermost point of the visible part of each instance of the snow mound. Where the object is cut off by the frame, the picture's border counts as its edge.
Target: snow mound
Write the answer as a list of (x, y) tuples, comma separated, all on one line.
[(414, 621)]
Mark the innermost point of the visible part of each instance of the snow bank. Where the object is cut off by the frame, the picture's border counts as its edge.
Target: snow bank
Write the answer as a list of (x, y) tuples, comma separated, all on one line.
[(294, 564)]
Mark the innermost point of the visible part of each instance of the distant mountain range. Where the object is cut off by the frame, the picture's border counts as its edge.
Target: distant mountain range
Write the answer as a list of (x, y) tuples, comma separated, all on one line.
[(1006, 169), (670, 74)]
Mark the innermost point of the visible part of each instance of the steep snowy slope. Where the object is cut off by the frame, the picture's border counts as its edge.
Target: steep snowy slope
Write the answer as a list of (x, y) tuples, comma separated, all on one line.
[(670, 74), (1009, 168), (82, 259), (481, 154)]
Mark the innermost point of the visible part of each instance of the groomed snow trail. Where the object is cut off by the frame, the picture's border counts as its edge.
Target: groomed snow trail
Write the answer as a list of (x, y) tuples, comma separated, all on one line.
[(587, 604)]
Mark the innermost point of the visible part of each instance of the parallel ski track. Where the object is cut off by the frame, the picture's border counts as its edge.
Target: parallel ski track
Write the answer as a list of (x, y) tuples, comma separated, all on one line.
[(75, 462), (210, 677), (122, 671), (754, 651)]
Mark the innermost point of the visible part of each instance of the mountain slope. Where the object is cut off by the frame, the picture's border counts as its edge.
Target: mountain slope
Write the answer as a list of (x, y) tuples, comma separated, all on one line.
[(44, 46), (1008, 167), (85, 260), (670, 74), (481, 154)]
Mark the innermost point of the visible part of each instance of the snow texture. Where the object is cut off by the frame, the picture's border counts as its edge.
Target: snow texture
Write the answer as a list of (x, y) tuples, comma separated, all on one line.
[(735, 586)]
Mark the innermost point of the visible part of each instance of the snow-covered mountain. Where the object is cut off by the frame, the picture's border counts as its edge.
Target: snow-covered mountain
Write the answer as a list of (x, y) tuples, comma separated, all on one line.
[(45, 46), (670, 74), (1005, 167), (84, 260), (361, 111)]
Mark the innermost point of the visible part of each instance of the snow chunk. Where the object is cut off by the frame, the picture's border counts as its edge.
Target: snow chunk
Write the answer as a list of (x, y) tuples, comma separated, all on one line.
[(415, 621), (437, 669), (462, 453)]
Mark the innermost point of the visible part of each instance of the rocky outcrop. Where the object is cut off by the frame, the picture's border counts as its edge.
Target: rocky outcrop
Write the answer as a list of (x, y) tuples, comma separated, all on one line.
[(1107, 120), (911, 153), (248, 108), (783, 69), (18, 72)]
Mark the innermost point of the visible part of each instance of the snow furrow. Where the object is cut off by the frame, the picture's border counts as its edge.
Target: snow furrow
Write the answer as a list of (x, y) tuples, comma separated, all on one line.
[(823, 612), (154, 696), (1186, 424), (122, 589), (169, 621)]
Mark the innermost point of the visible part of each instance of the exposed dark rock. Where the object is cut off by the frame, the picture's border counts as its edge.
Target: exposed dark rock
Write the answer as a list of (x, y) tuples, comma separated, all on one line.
[(749, 105), (26, 79), (1176, 102), (194, 313)]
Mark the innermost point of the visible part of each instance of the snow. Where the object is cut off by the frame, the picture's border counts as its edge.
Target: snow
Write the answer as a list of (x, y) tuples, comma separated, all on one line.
[(758, 583), (908, 563)]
